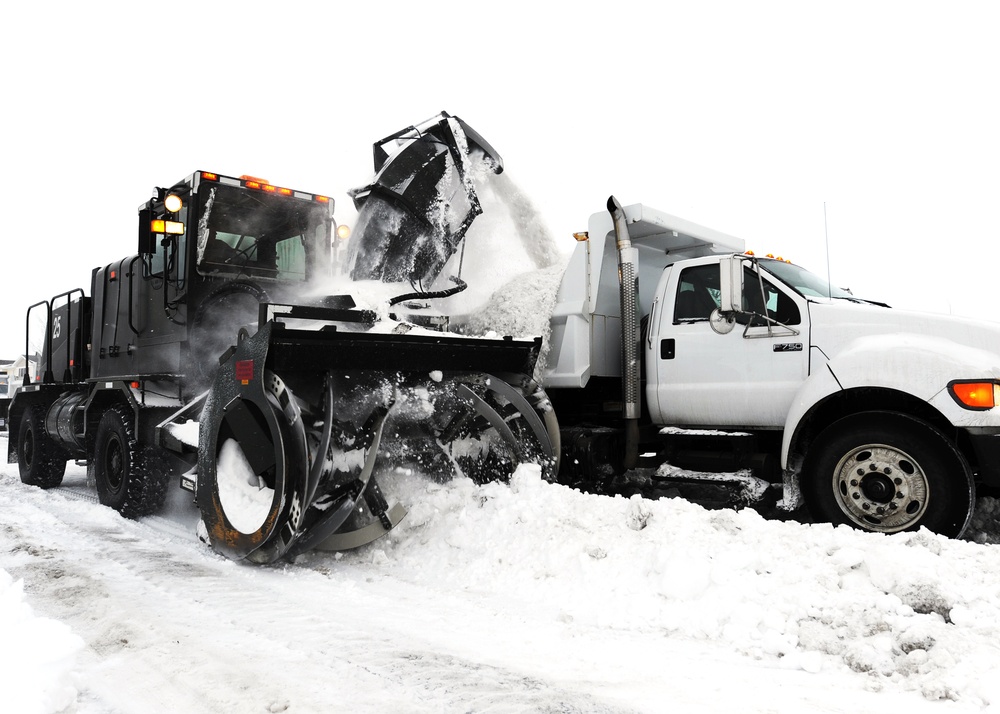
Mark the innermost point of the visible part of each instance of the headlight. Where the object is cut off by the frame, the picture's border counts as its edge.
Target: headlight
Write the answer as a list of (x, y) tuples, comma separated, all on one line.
[(173, 202)]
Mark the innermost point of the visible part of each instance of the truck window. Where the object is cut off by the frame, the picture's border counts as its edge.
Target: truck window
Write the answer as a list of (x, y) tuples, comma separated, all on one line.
[(242, 233), (154, 266), (697, 293), (291, 256), (772, 302), (805, 283)]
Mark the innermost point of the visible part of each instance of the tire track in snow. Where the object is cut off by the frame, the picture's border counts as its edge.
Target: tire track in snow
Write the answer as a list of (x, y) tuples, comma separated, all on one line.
[(171, 626)]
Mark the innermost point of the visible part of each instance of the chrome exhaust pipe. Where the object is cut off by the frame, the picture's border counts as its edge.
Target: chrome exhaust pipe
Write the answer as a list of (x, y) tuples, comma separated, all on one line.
[(628, 279)]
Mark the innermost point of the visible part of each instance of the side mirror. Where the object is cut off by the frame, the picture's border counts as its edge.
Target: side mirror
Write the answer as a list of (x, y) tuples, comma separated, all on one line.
[(147, 243), (731, 283)]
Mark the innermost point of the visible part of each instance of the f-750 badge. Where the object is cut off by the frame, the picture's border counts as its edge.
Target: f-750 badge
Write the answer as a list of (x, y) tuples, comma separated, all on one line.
[(788, 347)]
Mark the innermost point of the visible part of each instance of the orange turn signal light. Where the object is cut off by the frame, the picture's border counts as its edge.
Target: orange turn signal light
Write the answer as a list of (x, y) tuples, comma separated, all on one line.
[(158, 225), (975, 395)]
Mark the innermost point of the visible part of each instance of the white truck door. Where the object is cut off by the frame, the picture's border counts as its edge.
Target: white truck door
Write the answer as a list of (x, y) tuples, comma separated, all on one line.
[(744, 378)]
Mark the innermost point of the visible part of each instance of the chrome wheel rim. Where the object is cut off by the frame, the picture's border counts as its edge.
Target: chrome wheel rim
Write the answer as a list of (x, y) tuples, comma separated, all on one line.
[(881, 488)]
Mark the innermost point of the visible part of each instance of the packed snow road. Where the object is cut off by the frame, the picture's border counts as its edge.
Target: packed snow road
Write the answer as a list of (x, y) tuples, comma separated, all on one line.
[(529, 597)]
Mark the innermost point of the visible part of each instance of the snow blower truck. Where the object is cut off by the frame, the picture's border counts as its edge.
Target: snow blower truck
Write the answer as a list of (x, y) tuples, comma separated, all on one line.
[(216, 358)]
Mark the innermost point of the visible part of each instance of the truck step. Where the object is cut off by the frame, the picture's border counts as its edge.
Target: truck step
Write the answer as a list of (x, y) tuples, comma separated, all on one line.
[(722, 489)]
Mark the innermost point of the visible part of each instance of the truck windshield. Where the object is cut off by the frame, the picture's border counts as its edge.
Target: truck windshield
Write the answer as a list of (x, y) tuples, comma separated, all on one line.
[(251, 233), (806, 283)]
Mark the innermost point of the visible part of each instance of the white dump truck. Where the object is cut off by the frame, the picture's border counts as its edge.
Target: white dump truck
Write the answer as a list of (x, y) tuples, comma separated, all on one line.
[(672, 347)]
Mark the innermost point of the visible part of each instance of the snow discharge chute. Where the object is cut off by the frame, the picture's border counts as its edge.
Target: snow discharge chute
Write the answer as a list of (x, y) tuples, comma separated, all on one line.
[(414, 214)]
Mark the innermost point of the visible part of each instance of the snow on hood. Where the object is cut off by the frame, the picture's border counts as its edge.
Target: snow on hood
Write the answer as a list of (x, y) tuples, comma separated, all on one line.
[(842, 329)]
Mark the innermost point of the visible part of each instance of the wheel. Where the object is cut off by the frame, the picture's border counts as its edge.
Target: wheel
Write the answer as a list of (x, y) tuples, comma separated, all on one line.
[(887, 472), (129, 479), (40, 460)]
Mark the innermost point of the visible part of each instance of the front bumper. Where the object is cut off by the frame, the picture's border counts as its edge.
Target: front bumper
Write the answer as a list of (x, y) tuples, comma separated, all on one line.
[(985, 443)]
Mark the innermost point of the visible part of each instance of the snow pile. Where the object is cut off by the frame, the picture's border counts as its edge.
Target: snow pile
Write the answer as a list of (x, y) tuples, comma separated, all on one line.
[(521, 309), (37, 658), (911, 611)]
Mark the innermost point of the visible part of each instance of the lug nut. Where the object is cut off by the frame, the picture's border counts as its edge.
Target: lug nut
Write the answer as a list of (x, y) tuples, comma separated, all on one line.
[(856, 496), (897, 481), (887, 470), (854, 482), (866, 506)]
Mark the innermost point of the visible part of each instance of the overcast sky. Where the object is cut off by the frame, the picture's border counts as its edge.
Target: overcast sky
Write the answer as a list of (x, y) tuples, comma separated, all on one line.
[(745, 117)]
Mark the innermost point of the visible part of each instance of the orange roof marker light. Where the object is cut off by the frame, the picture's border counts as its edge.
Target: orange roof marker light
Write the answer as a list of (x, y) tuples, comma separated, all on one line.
[(977, 396), (260, 184)]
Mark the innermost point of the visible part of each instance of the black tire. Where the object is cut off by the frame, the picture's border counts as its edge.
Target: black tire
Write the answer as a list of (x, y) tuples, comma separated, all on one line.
[(886, 472), (129, 479), (40, 460)]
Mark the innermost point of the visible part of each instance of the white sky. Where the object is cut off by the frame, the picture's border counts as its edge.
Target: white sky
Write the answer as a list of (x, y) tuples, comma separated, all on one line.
[(745, 117)]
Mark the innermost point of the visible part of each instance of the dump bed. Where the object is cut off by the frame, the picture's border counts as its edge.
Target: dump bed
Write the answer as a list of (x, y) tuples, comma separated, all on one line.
[(586, 325)]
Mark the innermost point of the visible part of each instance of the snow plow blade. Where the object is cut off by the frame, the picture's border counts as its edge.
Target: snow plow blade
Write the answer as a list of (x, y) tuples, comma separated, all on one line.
[(302, 425), (413, 216)]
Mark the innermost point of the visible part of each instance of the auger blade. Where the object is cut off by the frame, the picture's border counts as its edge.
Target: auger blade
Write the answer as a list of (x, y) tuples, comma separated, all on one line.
[(335, 509)]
